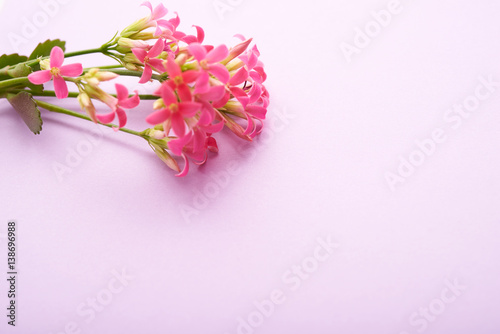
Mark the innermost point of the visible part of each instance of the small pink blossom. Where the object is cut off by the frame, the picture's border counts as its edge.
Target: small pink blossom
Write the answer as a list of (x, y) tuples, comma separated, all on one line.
[(57, 71), (173, 116), (210, 61), (155, 17), (124, 101), (149, 60)]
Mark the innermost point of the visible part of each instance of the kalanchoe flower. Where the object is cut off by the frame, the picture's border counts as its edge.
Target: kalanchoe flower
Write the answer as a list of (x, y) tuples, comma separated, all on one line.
[(124, 101), (149, 60), (175, 112), (57, 71), (179, 80), (209, 61), (156, 14)]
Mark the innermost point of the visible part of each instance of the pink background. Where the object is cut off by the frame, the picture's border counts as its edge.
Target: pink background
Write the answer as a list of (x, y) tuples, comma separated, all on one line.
[(203, 250)]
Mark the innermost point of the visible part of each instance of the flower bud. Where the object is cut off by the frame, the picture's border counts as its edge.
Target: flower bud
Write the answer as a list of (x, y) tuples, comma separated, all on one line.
[(87, 105), (236, 51), (131, 43), (45, 64)]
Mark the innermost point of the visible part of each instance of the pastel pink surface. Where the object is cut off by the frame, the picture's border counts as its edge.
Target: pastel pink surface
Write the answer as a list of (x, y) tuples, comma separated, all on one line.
[(204, 253)]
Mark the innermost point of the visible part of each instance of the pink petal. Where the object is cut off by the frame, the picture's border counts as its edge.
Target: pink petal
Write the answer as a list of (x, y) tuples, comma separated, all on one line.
[(260, 70), (220, 72), (256, 77), (222, 102), (71, 70), (175, 21), (159, 12), (173, 68), (106, 118), (168, 95), (240, 95), (214, 128), (157, 48), (239, 77), (40, 77), (202, 85), (215, 93), (207, 115), (60, 87), (184, 93), (257, 111), (218, 54), (197, 51), (177, 145), (190, 76), (157, 64), (158, 31), (200, 34), (166, 24), (190, 39), (140, 54), (178, 124), (148, 4), (185, 171), (255, 93), (158, 117), (189, 109), (121, 92), (250, 125), (130, 103), (122, 117), (146, 75), (56, 57)]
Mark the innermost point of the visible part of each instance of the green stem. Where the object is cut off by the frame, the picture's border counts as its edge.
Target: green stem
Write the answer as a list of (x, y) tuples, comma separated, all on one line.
[(107, 67), (51, 93), (13, 82), (57, 109), (85, 52)]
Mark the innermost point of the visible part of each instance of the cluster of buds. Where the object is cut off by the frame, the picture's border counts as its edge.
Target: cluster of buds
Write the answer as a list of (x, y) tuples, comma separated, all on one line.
[(202, 87)]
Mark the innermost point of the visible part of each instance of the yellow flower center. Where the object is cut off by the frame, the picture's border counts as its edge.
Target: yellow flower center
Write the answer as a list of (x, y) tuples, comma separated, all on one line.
[(55, 71), (178, 80), (174, 107), (204, 64)]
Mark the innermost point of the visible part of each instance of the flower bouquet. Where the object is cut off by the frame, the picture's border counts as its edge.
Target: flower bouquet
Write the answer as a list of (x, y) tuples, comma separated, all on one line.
[(200, 88)]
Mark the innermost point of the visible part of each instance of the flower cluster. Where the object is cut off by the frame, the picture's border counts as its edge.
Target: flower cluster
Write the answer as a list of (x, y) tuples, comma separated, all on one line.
[(201, 89)]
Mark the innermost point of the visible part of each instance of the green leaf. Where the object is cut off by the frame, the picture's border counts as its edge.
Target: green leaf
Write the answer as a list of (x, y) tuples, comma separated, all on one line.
[(12, 59), (43, 49), (26, 107)]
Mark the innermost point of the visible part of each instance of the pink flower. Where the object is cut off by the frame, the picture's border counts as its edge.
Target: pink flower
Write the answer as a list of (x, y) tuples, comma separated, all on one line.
[(149, 60), (195, 145), (123, 102), (210, 61), (173, 115), (57, 71), (156, 14), (179, 80)]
